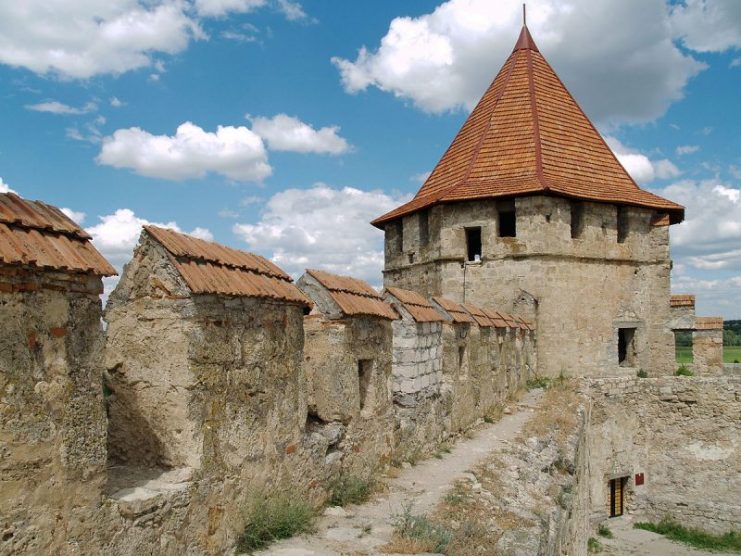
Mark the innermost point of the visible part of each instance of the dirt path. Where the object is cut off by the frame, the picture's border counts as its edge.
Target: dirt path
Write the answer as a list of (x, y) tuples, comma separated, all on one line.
[(362, 529), (628, 541)]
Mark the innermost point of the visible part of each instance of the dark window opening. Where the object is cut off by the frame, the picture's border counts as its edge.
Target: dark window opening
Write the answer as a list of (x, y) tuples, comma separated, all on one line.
[(473, 244), (616, 497), (626, 347), (398, 237), (365, 372), (577, 220), (622, 224), (461, 356), (424, 227), (507, 219)]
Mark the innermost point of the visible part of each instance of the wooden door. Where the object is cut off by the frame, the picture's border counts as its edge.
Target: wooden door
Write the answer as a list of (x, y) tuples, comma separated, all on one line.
[(616, 497)]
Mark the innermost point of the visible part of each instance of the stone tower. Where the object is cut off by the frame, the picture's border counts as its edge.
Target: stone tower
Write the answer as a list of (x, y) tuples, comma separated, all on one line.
[(529, 211)]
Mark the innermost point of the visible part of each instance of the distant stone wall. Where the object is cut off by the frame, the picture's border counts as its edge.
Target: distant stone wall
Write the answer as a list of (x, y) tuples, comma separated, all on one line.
[(682, 434), (52, 416), (707, 351)]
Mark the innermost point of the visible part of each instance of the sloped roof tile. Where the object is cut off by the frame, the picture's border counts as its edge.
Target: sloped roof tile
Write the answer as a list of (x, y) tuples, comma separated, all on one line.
[(455, 310), (353, 296), (38, 235), (419, 307)]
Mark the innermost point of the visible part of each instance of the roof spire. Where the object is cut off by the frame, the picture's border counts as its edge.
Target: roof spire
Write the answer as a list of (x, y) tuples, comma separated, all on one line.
[(525, 41)]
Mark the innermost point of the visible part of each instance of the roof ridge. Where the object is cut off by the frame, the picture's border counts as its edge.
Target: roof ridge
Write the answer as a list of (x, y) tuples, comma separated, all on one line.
[(537, 140)]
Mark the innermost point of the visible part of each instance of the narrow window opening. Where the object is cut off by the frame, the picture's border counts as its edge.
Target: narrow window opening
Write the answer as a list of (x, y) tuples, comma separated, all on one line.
[(473, 244), (616, 496), (424, 227), (683, 346), (461, 356), (365, 372), (399, 237), (626, 347), (622, 224), (577, 220), (507, 219)]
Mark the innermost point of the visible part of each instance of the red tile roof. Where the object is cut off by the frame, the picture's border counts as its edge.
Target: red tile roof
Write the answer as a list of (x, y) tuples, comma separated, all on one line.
[(354, 296), (419, 307), (479, 315), (38, 235), (455, 310), (208, 267), (684, 300), (708, 323), (528, 135)]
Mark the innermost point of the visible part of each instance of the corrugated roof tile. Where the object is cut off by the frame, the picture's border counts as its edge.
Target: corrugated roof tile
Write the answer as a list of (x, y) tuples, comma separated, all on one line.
[(353, 296), (455, 310), (419, 307), (684, 300)]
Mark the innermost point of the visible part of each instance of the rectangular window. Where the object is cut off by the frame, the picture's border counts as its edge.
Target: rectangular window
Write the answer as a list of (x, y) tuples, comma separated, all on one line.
[(424, 227), (461, 356), (616, 497), (577, 220), (473, 244), (626, 347), (365, 372), (507, 219), (622, 224)]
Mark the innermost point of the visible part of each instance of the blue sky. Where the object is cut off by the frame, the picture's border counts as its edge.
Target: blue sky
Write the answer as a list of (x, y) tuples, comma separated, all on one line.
[(263, 125)]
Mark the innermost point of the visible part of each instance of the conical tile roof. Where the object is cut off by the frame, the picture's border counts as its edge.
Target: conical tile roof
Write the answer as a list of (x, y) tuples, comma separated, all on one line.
[(527, 135)]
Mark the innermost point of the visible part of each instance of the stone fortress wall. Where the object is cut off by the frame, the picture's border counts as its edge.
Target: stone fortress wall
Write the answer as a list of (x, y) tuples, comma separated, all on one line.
[(151, 436)]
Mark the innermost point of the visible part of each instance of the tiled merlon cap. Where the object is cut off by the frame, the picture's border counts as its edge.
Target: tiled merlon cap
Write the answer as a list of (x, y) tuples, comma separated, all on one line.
[(683, 300), (708, 323)]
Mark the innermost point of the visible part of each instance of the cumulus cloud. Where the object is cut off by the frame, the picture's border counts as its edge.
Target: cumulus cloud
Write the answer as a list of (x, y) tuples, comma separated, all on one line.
[(292, 10), (715, 296), (83, 39), (5, 188), (639, 166), (234, 152), (710, 237), (619, 60), (116, 102), (286, 133), (76, 216), (322, 227), (707, 25), (687, 149), (56, 107), (116, 235)]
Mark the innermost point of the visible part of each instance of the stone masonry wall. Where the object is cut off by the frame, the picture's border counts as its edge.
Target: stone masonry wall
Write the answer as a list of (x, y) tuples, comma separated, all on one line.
[(585, 288), (52, 417), (682, 433), (348, 370), (707, 352)]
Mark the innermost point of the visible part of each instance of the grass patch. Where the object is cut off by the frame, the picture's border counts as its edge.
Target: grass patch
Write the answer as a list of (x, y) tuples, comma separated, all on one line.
[(683, 371), (271, 518), (417, 533), (642, 373), (731, 354), (538, 382), (594, 546), (556, 414), (694, 537), (349, 489), (604, 531)]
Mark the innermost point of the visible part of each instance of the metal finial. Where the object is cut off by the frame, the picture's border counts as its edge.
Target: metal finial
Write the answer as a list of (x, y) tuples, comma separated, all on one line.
[(524, 16)]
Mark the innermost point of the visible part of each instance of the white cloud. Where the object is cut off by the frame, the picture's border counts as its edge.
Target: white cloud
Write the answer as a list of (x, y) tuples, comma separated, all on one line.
[(736, 63), (90, 131), (217, 8), (687, 149), (234, 152), (116, 102), (92, 37), (322, 227), (707, 25), (116, 235), (639, 166), (5, 188), (735, 171), (76, 216), (421, 177), (710, 237), (291, 9), (286, 133), (56, 107), (715, 296), (618, 60)]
